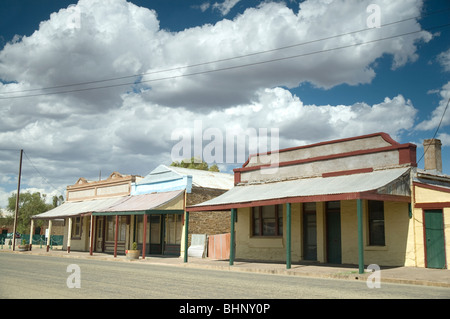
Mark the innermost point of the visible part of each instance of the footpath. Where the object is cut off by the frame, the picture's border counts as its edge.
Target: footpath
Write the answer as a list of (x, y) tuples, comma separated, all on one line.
[(399, 275)]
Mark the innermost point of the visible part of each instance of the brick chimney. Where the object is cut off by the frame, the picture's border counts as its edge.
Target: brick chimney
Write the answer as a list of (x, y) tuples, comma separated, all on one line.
[(433, 158)]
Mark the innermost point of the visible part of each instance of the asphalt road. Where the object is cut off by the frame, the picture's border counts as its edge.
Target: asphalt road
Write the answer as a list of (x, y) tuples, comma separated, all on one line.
[(42, 277)]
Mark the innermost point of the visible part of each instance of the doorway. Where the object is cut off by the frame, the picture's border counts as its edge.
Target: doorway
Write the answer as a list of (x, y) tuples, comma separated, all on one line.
[(155, 234), (309, 231), (434, 238), (100, 234), (333, 225), (153, 240)]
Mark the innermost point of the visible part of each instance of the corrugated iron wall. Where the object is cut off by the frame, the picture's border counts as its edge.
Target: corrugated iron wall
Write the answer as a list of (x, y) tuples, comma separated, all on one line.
[(219, 246)]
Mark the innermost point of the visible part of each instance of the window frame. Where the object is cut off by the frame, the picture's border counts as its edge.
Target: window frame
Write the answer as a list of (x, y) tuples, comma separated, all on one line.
[(257, 215), (376, 223), (77, 222)]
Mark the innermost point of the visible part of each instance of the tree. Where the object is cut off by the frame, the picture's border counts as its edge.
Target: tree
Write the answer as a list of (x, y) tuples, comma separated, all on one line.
[(57, 200), (29, 204), (195, 163), (214, 168)]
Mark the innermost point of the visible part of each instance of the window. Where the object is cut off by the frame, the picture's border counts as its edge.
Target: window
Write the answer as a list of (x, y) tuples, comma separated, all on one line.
[(376, 223), (268, 220), (174, 229), (76, 227), (111, 228)]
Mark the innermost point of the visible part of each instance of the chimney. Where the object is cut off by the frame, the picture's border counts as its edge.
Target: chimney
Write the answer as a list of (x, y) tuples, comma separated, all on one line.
[(433, 158)]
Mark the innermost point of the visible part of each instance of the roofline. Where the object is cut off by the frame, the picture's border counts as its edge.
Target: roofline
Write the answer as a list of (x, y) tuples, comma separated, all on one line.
[(439, 188), (404, 156), (369, 195), (385, 136)]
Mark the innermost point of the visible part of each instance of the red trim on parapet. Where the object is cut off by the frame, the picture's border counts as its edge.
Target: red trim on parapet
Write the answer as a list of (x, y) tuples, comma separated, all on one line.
[(385, 137), (407, 149), (348, 172)]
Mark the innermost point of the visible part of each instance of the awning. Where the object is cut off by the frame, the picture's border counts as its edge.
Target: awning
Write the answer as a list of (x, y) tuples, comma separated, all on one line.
[(73, 209), (124, 205), (152, 203), (388, 184)]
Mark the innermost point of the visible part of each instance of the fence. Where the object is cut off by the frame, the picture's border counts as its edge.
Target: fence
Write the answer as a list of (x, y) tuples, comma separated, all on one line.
[(55, 240), (219, 246)]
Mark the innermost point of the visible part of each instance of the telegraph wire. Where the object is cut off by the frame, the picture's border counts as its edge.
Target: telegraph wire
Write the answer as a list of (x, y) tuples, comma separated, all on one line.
[(226, 68), (228, 59), (218, 61), (435, 133), (45, 179), (34, 166)]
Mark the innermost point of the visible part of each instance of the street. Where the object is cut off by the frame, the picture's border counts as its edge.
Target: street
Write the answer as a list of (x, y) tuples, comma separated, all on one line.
[(41, 277)]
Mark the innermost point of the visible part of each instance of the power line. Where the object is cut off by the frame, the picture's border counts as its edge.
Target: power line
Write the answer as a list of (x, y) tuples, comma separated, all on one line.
[(231, 58), (435, 133), (227, 68), (46, 180), (10, 149), (217, 61)]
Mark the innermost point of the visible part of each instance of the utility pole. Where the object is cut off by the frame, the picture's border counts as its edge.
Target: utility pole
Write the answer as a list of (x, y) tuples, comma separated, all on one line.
[(17, 202)]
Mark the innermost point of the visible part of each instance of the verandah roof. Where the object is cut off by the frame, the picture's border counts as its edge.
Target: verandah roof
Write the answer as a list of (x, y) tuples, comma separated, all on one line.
[(143, 204), (388, 184), (73, 209), (113, 206)]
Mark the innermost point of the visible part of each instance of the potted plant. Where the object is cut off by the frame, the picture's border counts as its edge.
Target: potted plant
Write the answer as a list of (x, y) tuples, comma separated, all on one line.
[(133, 253), (24, 246)]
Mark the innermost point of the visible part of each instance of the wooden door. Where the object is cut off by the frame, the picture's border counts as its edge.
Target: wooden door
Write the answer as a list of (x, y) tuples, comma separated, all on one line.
[(434, 238), (333, 224), (309, 236), (100, 234)]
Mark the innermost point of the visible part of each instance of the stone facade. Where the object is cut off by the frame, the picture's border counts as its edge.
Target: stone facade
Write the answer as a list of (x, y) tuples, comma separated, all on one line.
[(210, 223)]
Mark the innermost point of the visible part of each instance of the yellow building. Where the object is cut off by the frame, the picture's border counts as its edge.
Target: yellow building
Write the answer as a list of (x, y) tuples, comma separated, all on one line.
[(359, 200)]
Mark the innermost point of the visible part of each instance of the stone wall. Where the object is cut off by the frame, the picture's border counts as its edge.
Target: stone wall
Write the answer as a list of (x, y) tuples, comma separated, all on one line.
[(210, 223)]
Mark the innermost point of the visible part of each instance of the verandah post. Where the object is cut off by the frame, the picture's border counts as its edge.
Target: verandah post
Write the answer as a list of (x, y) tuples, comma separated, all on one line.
[(91, 237), (69, 234), (186, 232), (49, 234), (145, 236), (232, 236), (115, 235), (31, 233)]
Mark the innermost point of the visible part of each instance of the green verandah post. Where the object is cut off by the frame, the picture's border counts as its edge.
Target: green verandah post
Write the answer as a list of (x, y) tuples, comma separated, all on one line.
[(186, 225), (288, 235), (359, 208), (232, 237)]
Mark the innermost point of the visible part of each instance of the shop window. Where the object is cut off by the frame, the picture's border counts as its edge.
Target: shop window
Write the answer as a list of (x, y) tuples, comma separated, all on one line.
[(267, 220), (111, 228), (173, 229), (376, 223), (76, 227)]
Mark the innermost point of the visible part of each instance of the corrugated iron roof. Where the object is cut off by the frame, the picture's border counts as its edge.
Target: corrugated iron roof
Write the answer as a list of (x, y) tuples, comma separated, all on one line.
[(344, 184), (136, 203), (121, 204), (72, 209), (200, 178)]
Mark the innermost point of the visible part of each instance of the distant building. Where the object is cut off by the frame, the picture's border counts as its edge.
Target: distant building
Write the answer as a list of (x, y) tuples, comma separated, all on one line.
[(82, 199), (359, 200), (109, 215)]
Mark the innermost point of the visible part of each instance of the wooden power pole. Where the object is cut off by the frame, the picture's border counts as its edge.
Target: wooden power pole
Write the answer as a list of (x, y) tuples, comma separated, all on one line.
[(17, 202)]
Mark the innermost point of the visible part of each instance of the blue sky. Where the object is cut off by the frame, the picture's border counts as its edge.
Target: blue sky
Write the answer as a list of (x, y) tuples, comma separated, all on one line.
[(399, 86)]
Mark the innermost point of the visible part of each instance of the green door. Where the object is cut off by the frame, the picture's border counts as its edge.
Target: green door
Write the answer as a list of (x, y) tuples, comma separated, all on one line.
[(434, 238), (309, 236), (333, 233)]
